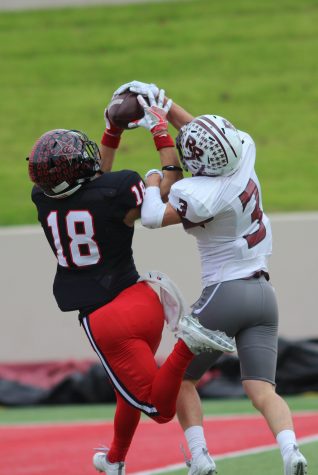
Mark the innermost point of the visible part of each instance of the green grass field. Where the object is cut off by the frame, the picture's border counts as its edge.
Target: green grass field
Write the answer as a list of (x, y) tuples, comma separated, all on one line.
[(266, 463), (93, 412), (253, 62)]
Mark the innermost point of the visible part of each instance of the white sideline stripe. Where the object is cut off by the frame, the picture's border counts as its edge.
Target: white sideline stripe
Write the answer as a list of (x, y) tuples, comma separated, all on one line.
[(20, 230), (242, 415), (276, 217), (41, 4), (293, 217), (238, 453)]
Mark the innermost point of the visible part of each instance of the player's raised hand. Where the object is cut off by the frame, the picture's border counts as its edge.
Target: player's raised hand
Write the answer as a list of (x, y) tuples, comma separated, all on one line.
[(111, 128), (138, 87), (155, 118)]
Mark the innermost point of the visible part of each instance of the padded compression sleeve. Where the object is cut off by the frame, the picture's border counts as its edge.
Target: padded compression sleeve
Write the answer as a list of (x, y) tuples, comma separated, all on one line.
[(153, 208)]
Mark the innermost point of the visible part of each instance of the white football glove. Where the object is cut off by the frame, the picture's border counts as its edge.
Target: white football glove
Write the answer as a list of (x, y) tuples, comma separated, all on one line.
[(155, 118), (138, 87)]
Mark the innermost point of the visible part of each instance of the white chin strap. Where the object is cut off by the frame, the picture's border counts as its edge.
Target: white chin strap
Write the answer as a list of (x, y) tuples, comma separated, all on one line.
[(66, 193), (174, 305)]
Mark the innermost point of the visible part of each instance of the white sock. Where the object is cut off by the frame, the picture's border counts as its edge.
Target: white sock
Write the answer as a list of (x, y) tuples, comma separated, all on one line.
[(195, 439), (286, 440)]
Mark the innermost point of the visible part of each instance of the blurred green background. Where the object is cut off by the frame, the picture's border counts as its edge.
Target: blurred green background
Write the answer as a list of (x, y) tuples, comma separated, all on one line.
[(252, 62)]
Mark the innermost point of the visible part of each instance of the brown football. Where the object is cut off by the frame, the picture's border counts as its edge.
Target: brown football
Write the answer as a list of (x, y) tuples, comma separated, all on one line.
[(124, 108)]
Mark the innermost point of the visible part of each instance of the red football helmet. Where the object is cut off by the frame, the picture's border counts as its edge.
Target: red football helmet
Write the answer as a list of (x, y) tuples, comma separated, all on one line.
[(62, 160)]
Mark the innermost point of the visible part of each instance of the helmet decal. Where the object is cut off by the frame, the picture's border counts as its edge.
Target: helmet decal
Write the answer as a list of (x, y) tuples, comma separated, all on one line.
[(209, 145), (221, 132), (62, 160), (191, 145)]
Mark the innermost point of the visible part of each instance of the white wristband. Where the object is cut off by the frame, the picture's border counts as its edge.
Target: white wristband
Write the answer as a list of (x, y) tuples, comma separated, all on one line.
[(152, 172), (152, 209)]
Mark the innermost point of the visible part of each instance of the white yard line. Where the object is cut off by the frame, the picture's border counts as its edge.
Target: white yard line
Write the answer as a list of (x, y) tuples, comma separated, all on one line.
[(44, 4)]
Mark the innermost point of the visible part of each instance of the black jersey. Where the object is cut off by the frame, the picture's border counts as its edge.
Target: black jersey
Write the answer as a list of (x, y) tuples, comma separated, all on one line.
[(92, 245)]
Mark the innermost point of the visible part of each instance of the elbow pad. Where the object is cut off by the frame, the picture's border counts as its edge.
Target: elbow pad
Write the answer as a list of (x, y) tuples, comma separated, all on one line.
[(152, 209)]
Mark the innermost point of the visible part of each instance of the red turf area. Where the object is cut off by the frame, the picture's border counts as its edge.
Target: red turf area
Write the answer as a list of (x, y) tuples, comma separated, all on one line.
[(68, 448)]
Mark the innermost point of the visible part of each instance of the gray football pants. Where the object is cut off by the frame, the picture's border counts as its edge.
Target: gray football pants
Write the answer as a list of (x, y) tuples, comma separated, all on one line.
[(247, 310)]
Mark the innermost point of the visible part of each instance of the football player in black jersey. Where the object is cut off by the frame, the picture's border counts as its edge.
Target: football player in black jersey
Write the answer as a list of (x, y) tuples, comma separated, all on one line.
[(87, 213)]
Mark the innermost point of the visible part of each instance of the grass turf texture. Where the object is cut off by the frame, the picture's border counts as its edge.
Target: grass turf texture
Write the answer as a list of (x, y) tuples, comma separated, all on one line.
[(71, 413), (266, 463), (254, 63)]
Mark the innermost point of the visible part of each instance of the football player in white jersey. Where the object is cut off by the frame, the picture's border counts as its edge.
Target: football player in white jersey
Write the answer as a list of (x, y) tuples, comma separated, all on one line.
[(221, 206)]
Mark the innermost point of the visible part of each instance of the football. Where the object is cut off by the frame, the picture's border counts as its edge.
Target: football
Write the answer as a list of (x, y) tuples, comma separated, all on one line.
[(124, 108)]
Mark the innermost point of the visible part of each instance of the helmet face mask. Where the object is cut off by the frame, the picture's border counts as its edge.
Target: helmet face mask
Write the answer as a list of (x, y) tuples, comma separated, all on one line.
[(209, 145), (62, 160)]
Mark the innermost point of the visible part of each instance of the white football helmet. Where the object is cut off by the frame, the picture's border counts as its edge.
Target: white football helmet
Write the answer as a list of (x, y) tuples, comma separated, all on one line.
[(209, 145)]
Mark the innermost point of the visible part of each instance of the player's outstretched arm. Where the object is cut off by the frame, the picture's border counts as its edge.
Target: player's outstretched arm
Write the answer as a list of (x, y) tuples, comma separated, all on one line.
[(171, 170), (112, 134), (107, 155), (154, 212), (178, 117), (109, 143), (155, 120)]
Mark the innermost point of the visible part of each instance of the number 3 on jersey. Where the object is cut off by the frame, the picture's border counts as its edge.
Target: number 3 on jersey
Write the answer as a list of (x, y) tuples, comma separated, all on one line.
[(83, 249), (257, 214)]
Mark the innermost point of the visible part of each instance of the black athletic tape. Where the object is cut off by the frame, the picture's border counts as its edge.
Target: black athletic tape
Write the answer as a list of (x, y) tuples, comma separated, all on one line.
[(171, 168)]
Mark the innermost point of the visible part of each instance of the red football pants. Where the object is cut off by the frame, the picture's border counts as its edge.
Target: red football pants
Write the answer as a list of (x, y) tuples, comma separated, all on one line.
[(125, 334)]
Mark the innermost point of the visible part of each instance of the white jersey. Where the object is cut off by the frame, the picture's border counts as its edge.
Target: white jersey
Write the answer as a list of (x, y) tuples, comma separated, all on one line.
[(225, 215)]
